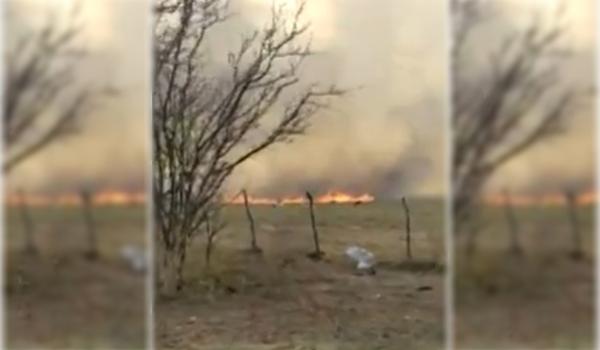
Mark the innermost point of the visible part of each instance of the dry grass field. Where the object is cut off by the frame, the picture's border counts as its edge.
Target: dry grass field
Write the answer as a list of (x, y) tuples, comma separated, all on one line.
[(57, 299), (280, 299), (543, 299)]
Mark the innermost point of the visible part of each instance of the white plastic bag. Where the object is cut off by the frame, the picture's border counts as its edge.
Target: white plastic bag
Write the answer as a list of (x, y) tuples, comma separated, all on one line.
[(135, 257), (364, 259)]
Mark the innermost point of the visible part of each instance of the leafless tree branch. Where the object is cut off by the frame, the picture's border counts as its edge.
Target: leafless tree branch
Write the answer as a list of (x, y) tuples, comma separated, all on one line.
[(43, 98), (205, 126), (516, 101)]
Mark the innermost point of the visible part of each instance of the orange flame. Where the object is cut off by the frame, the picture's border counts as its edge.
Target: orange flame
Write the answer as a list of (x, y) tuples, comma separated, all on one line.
[(119, 198), (340, 197), (105, 197), (327, 198), (551, 199)]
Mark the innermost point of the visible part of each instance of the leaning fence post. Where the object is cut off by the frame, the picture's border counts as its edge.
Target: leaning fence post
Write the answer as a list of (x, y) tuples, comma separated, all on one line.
[(317, 254), (86, 201), (571, 202), (515, 246), (28, 227), (253, 245)]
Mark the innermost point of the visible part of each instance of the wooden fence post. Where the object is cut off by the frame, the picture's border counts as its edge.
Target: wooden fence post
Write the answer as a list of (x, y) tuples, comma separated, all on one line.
[(571, 202), (253, 245), (86, 201), (30, 247), (513, 227), (317, 254), (407, 215)]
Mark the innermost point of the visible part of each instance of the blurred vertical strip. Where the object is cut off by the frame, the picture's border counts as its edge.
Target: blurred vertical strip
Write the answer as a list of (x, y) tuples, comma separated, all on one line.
[(524, 188), (2, 201), (597, 179), (76, 107), (449, 237), (150, 210)]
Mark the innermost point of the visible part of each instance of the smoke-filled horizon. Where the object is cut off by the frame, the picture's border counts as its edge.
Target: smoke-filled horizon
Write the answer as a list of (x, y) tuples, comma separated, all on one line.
[(385, 137), (110, 150), (566, 161)]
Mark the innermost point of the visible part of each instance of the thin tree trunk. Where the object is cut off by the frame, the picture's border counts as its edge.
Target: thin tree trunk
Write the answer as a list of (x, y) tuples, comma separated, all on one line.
[(28, 227), (317, 254), (571, 202), (471, 228), (181, 257), (407, 215), (513, 227), (253, 245), (169, 280), (92, 251), (209, 243), (168, 268)]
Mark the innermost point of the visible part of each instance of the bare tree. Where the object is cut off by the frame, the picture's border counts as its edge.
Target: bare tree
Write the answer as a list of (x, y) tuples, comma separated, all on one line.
[(205, 126), (500, 111), (44, 96)]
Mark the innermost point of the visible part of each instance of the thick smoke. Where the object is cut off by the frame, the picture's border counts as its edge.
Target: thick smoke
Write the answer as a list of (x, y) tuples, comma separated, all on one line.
[(567, 160), (385, 137), (110, 150)]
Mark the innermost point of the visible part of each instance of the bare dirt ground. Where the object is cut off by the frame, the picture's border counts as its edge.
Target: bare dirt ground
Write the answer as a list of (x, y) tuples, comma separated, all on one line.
[(58, 299), (283, 300), (541, 300)]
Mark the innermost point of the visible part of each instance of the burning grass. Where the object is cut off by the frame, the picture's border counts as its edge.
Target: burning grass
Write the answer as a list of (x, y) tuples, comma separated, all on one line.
[(106, 197), (550, 199), (330, 197)]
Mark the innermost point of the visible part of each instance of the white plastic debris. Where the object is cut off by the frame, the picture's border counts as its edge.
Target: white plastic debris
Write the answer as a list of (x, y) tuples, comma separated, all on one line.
[(365, 260), (135, 257)]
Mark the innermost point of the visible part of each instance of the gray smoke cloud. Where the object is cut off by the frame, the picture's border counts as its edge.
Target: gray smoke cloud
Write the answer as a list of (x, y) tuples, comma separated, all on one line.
[(567, 160), (386, 136), (110, 151)]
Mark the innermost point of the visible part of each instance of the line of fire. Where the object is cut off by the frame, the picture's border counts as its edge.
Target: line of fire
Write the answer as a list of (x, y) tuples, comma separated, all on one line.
[(115, 197)]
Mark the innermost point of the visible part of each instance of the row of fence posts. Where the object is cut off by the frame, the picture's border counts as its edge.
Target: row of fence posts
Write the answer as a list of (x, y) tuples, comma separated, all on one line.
[(510, 215), (91, 252), (515, 246), (571, 204), (92, 246), (318, 254)]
